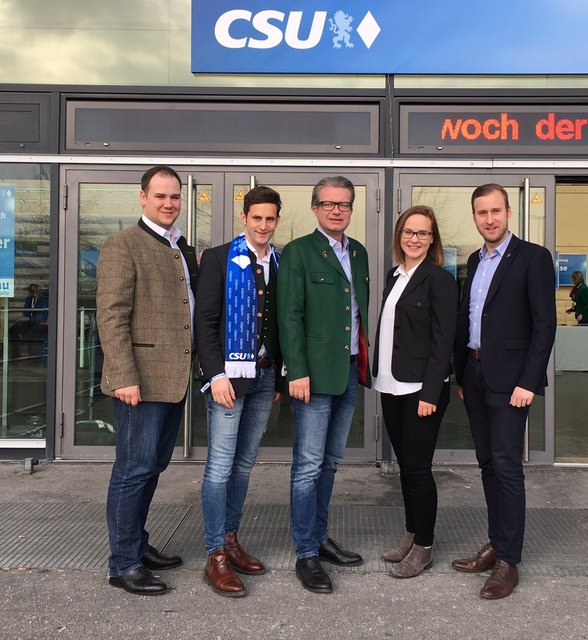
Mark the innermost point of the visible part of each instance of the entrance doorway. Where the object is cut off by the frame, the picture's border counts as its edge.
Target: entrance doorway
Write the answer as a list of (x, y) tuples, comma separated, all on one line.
[(531, 199), (103, 201), (571, 341)]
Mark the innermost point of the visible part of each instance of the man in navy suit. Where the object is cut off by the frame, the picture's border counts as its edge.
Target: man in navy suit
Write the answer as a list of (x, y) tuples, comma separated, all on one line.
[(505, 333)]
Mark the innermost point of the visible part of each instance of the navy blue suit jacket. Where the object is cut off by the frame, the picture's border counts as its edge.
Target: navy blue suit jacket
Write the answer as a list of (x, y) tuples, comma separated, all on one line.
[(518, 319)]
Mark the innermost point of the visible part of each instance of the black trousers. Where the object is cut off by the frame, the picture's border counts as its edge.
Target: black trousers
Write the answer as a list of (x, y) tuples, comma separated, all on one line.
[(414, 440), (498, 430)]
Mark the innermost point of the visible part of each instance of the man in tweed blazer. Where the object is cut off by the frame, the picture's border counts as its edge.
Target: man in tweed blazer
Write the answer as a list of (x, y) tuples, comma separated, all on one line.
[(145, 308)]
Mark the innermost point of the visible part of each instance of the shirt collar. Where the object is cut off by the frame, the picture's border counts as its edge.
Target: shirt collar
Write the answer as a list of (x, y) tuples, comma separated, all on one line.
[(265, 258), (401, 271), (344, 239), (172, 234), (500, 249)]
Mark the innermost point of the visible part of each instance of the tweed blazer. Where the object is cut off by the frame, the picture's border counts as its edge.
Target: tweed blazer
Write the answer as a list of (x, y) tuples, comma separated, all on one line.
[(143, 314), (314, 312)]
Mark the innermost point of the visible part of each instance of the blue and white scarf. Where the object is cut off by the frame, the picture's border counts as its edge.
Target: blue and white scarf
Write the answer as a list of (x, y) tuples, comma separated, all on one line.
[(241, 347)]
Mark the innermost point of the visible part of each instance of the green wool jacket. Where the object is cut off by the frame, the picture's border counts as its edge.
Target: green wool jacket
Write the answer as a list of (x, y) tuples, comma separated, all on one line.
[(314, 312)]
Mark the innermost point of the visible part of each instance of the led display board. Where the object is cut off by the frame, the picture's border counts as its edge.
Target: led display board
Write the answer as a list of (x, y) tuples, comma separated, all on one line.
[(500, 129)]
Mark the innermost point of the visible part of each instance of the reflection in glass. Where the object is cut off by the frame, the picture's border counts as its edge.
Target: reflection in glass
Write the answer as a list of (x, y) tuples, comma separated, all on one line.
[(24, 300)]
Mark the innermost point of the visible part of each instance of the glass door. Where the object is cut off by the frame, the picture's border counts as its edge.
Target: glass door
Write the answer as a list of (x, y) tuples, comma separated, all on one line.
[(297, 219), (25, 305), (98, 204), (532, 202), (571, 341)]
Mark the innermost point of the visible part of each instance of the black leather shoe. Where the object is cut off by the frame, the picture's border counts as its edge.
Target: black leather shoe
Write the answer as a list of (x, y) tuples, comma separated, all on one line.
[(156, 561), (330, 551), (312, 575), (139, 581)]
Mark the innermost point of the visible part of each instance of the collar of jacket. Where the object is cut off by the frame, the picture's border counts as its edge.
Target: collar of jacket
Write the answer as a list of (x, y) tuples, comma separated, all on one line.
[(187, 251)]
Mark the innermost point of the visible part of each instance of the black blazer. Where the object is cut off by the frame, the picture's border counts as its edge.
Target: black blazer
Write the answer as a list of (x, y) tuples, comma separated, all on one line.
[(210, 317), (424, 329), (518, 319)]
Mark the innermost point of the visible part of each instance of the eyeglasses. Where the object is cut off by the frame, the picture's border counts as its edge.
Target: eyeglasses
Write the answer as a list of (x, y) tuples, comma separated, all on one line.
[(327, 205), (407, 234)]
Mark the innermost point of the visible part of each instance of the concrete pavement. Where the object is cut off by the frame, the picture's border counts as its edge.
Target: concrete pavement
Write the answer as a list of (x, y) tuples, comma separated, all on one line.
[(53, 551)]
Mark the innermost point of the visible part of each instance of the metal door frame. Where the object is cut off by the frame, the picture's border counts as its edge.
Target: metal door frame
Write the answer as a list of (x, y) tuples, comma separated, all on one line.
[(404, 179), (71, 176), (222, 178)]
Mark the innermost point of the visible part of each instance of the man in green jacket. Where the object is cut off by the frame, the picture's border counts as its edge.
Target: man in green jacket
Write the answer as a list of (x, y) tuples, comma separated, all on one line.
[(323, 295)]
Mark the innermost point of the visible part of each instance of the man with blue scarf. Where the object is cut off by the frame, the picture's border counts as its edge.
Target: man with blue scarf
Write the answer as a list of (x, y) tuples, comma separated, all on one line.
[(238, 347)]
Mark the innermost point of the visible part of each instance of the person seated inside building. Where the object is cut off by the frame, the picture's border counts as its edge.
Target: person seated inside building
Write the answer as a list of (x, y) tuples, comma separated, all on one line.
[(29, 332)]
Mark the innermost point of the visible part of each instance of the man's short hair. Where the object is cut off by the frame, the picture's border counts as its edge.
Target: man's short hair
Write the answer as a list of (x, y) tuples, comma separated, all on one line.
[(261, 195), (162, 169), (486, 189), (339, 182)]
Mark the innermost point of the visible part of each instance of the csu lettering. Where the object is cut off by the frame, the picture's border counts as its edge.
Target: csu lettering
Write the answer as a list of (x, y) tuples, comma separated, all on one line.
[(504, 128), (270, 24)]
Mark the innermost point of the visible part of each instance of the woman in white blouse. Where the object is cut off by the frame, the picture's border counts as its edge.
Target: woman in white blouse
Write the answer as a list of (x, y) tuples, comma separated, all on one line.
[(414, 341)]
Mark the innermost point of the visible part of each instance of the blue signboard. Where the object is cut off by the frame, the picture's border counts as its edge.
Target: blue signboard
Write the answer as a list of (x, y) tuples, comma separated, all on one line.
[(391, 36), (6, 241), (566, 264)]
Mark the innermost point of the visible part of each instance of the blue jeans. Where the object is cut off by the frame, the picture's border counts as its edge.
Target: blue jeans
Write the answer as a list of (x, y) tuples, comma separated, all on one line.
[(321, 431), (146, 435), (234, 436)]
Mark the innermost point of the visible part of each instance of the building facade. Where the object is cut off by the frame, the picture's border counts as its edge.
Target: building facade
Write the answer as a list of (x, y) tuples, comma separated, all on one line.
[(88, 102)]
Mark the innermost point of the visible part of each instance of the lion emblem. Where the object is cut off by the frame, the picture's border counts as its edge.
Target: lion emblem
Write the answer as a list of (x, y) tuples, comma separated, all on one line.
[(340, 24)]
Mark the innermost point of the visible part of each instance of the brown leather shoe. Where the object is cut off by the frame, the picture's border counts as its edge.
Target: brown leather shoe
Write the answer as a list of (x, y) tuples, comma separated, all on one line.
[(220, 575), (484, 560), (503, 579), (240, 560)]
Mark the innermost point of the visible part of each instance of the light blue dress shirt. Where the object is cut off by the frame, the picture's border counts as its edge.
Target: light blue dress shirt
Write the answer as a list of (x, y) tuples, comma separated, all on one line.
[(480, 285)]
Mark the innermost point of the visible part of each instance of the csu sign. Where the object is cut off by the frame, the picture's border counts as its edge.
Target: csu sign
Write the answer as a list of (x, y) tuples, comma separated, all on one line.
[(283, 39), (272, 27), (388, 36)]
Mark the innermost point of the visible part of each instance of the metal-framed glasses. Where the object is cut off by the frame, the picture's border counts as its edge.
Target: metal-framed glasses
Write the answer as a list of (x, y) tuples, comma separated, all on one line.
[(327, 205), (407, 234)]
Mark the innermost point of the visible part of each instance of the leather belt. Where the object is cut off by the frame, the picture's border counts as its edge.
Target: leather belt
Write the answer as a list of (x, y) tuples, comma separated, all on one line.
[(475, 354), (264, 363), (353, 359)]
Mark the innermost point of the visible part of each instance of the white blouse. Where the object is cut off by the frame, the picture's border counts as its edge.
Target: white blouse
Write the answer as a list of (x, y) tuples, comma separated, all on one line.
[(385, 382)]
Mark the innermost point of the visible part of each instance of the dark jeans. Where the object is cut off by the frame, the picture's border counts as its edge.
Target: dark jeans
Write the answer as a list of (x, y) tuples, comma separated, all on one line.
[(414, 440), (498, 431), (146, 435)]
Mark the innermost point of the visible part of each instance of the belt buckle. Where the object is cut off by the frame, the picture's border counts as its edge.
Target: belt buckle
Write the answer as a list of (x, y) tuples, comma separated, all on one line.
[(264, 363)]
